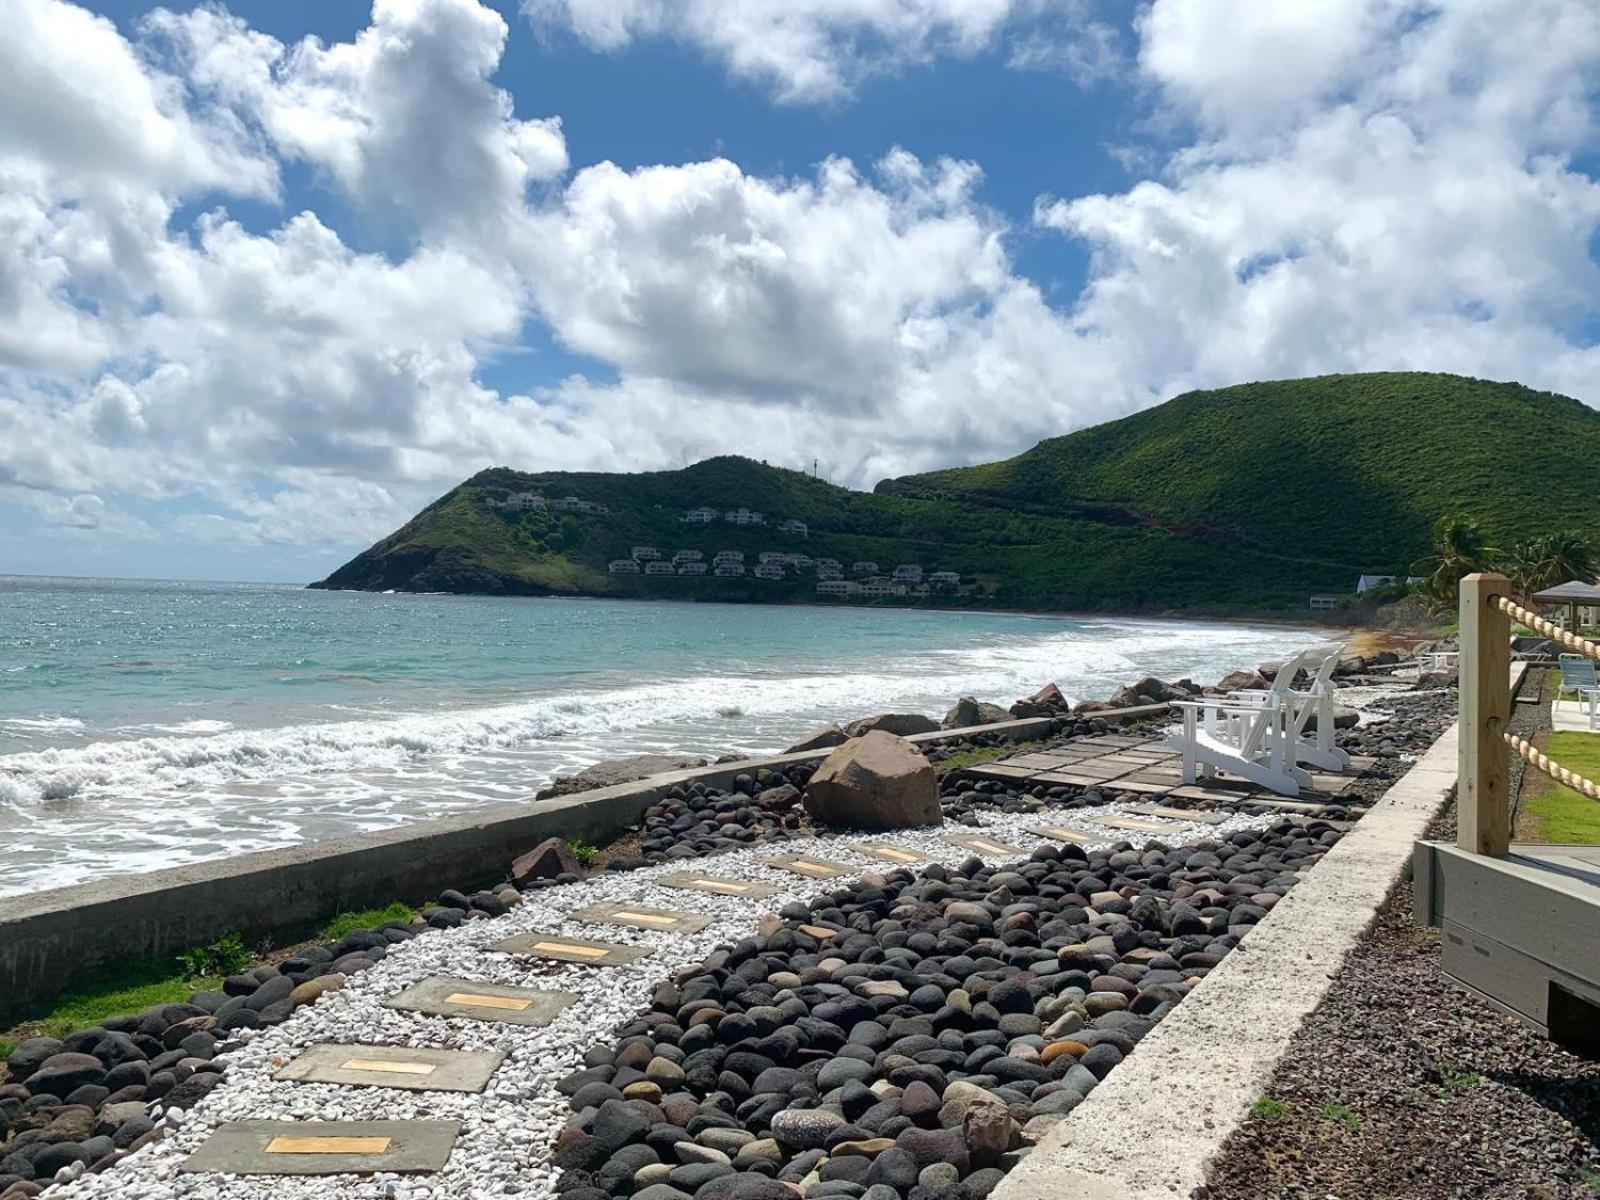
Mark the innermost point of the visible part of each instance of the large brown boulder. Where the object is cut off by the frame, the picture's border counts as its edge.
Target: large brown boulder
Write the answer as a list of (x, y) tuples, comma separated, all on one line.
[(1239, 681), (877, 781), (969, 712), (550, 858), (901, 724), (820, 739)]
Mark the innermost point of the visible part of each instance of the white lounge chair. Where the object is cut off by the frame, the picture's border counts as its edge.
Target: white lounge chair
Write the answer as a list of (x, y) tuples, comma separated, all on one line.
[(1248, 739), (1318, 749)]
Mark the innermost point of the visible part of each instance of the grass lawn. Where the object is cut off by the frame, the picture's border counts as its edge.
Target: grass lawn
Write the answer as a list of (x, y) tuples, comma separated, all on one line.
[(98, 999), (981, 754), (1557, 814), (369, 918)]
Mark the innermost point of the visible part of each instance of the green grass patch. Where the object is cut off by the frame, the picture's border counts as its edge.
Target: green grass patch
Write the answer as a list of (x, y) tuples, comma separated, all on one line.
[(1455, 1078), (8, 1047), (1557, 814), (367, 918), (583, 852), (983, 754), (1269, 1108), (108, 996), (225, 956), (1334, 1111)]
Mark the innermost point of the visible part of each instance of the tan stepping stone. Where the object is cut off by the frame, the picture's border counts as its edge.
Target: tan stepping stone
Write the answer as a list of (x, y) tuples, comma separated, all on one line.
[(395, 1066), (1141, 789), (1193, 791), (1177, 814), (813, 868), (1135, 824), (325, 1147), (1062, 834), (1001, 771), (716, 885), (983, 845), (1068, 777), (639, 916), (572, 950), (820, 932), (894, 854), (448, 996)]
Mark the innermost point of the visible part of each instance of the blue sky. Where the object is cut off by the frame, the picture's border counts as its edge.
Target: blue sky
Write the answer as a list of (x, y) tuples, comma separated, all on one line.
[(291, 269)]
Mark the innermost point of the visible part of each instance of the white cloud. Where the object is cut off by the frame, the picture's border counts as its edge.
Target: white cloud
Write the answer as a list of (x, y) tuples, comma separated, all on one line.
[(402, 115), (810, 51), (1387, 190), (1394, 188)]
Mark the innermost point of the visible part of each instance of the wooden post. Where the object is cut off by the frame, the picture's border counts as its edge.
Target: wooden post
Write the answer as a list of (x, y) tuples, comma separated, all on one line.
[(1483, 798)]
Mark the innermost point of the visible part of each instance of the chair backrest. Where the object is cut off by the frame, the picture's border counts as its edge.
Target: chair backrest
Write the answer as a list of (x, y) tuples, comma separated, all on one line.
[(1268, 715), (1576, 670)]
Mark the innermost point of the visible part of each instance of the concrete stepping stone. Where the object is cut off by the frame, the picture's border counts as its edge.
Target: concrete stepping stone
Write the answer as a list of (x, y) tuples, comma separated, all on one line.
[(447, 996), (572, 950), (812, 868), (983, 845), (406, 1067), (1059, 833), (1135, 824), (639, 916), (894, 854), (325, 1147), (716, 885), (1177, 814), (1069, 777)]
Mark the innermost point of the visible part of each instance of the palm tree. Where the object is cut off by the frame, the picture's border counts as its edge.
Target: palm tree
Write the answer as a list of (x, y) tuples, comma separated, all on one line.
[(1549, 559), (1458, 550)]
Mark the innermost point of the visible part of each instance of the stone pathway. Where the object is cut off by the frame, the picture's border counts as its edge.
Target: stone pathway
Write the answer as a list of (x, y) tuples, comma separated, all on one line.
[(433, 1074)]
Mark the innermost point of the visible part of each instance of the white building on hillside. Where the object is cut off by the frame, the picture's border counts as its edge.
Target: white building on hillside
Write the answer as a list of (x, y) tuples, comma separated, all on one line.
[(799, 560), (797, 528), (880, 586), (573, 504), (948, 579), (743, 516), (700, 516), (728, 557), (829, 564), (686, 556), (729, 570), (643, 553), (837, 587), (825, 572), (692, 568), (769, 571), (658, 568), (908, 573), (624, 566), (520, 502), (768, 557), (864, 568)]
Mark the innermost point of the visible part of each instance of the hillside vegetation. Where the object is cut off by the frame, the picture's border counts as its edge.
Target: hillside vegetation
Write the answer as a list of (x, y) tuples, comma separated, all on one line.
[(1244, 499)]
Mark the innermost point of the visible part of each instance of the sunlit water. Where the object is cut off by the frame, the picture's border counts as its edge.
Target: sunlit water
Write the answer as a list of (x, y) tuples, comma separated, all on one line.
[(146, 725)]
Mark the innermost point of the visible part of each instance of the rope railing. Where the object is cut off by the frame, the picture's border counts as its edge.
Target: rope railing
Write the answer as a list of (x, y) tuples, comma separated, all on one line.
[(1550, 629), (1538, 758), (1483, 803)]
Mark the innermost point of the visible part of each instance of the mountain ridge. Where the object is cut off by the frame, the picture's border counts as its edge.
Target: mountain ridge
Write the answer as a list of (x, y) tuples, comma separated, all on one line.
[(1239, 499)]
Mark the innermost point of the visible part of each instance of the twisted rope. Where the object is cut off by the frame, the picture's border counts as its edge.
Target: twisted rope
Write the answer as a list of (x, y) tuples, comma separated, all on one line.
[(1550, 630), (1550, 767)]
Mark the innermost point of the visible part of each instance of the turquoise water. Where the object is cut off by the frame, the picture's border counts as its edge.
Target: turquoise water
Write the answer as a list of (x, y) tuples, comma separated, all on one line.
[(144, 725)]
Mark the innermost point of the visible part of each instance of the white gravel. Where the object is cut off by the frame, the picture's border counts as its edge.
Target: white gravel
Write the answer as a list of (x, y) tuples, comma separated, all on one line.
[(507, 1131)]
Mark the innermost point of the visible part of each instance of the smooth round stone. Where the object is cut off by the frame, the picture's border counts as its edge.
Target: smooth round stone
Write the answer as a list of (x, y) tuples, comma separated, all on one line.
[(644, 1090), (862, 1148), (652, 1173), (837, 1072), (939, 1175), (729, 1141), (762, 1149), (806, 1128)]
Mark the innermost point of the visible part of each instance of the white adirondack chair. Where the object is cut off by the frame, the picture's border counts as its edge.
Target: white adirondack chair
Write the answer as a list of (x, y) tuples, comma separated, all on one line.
[(1247, 739), (1317, 749)]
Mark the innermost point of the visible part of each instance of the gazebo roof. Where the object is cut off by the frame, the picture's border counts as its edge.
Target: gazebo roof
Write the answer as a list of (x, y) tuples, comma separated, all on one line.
[(1574, 591)]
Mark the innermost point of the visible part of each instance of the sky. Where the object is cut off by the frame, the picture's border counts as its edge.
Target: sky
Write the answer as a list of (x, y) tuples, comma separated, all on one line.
[(275, 274)]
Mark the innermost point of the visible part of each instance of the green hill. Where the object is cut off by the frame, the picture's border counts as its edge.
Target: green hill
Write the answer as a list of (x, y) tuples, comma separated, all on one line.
[(1241, 499)]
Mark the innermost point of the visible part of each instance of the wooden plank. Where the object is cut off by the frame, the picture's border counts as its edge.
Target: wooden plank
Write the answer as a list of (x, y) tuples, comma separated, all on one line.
[(1544, 913), (328, 1145), (1483, 808), (1177, 814), (1137, 825), (1060, 833)]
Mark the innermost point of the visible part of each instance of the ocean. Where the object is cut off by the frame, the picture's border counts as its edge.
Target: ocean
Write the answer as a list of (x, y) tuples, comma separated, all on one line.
[(151, 724)]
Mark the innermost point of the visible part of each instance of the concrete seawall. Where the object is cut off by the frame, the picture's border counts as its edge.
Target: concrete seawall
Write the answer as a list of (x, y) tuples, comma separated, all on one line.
[(51, 940)]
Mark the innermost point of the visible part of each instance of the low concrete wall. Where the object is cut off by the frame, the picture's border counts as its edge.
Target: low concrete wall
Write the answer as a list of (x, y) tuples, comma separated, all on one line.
[(49, 940)]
